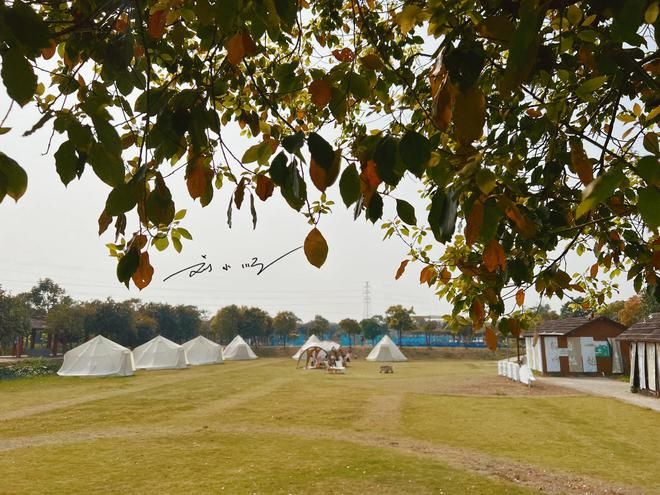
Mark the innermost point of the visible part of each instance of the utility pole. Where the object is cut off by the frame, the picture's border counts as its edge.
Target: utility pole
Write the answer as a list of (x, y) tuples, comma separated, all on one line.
[(367, 300)]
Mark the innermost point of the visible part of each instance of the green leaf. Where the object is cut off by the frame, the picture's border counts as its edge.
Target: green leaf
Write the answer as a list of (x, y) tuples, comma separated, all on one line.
[(121, 199), (349, 185), (66, 162), (293, 142), (127, 266), (357, 85), (415, 152), (278, 170), (180, 214), (442, 215), (649, 205), (176, 242), (18, 76), (28, 27), (649, 169), (13, 179), (259, 153), (491, 222), (185, 234), (108, 135), (161, 243), (586, 89), (375, 208), (107, 166), (598, 191), (321, 151), (294, 189), (486, 180), (388, 165), (159, 205), (406, 212)]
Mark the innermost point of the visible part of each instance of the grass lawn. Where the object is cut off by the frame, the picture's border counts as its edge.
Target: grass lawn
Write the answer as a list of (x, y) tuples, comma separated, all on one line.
[(443, 426)]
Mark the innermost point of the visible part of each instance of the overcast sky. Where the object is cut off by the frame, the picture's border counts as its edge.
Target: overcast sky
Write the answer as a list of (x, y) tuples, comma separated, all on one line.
[(52, 232)]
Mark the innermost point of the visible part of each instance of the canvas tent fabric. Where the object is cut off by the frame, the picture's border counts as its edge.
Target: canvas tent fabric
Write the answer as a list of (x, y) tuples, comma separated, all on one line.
[(313, 339), (160, 354), (98, 357), (201, 350), (238, 350), (386, 350)]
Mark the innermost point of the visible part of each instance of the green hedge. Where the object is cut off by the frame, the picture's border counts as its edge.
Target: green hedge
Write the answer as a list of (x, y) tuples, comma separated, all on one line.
[(29, 367)]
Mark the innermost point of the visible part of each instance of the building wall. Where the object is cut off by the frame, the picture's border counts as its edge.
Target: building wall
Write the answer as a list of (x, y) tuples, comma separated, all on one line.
[(581, 340)]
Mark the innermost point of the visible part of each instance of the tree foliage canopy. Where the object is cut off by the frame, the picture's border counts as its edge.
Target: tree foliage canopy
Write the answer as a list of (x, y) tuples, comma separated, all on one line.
[(531, 126)]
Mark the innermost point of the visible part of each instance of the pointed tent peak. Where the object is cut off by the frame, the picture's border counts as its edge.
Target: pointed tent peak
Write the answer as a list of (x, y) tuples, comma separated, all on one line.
[(386, 350), (312, 339), (238, 350), (159, 339), (237, 340), (202, 340), (101, 340)]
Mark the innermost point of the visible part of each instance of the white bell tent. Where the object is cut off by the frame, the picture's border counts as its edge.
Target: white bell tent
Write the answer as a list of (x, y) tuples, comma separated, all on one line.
[(386, 350), (313, 339), (238, 350), (98, 357), (160, 354), (201, 350)]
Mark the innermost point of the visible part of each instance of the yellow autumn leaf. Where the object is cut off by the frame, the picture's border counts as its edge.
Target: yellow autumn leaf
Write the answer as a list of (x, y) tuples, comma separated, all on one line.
[(316, 248)]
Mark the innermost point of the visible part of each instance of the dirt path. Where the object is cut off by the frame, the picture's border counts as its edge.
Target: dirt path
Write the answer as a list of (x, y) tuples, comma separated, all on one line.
[(546, 481), (604, 387)]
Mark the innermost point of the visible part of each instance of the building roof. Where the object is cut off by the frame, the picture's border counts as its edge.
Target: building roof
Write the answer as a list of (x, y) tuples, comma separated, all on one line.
[(648, 329), (38, 323), (564, 326)]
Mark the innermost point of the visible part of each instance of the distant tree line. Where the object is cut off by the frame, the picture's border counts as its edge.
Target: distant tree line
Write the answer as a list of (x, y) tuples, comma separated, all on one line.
[(69, 322)]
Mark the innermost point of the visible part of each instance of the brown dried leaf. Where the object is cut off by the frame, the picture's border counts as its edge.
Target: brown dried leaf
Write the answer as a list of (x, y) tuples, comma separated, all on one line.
[(474, 223), (321, 93), (265, 187), (144, 273), (520, 297), (156, 24), (427, 275), (235, 49), (316, 248), (402, 268), (491, 339), (581, 163)]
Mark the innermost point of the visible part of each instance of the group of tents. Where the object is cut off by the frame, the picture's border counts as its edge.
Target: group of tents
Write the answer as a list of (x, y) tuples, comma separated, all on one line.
[(103, 357)]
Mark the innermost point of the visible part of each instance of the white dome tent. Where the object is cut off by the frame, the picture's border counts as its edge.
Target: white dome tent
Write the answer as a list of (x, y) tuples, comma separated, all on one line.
[(160, 354), (201, 350), (386, 350), (313, 339), (238, 350), (98, 357)]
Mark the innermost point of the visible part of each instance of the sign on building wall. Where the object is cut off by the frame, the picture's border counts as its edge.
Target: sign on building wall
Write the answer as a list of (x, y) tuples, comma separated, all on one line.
[(574, 355), (602, 350), (552, 355), (588, 349)]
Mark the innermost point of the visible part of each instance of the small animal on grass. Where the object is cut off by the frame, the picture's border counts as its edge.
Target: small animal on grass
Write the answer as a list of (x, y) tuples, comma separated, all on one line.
[(386, 369)]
